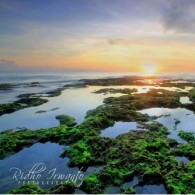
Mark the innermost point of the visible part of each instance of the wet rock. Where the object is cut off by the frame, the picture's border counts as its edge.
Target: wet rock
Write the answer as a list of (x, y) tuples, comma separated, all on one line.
[(127, 190), (172, 142), (188, 136), (113, 91), (31, 188), (6, 86), (21, 104), (41, 111), (66, 188), (66, 120)]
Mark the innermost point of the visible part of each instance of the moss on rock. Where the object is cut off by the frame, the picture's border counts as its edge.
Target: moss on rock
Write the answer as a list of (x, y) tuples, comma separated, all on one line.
[(21, 104), (127, 190), (66, 120), (146, 154), (188, 136), (31, 188)]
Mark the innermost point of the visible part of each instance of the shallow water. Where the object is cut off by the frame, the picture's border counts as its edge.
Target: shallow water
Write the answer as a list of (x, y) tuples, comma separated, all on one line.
[(144, 88), (151, 189), (74, 102), (48, 81), (146, 189), (182, 158), (134, 182), (93, 169), (48, 154), (10, 95), (169, 117), (112, 190), (118, 128)]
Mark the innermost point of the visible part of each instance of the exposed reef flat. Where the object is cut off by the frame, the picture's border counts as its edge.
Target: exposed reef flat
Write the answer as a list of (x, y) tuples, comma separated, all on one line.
[(6, 86), (22, 103), (113, 91), (33, 188), (147, 154), (35, 99)]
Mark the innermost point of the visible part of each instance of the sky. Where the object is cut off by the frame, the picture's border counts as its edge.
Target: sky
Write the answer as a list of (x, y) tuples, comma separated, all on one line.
[(151, 36)]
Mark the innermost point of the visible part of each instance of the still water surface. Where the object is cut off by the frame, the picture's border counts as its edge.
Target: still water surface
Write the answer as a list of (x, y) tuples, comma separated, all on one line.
[(76, 102)]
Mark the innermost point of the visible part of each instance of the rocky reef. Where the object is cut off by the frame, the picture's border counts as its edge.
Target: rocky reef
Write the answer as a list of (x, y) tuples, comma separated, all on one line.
[(147, 154), (22, 103)]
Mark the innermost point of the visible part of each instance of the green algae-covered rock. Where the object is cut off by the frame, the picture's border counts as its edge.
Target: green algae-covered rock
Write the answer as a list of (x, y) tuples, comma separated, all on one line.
[(92, 184), (31, 188), (187, 150), (66, 188), (179, 181), (188, 136), (127, 190), (66, 120)]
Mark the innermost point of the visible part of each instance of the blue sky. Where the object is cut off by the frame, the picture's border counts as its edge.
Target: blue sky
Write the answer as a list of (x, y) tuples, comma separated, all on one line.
[(65, 13), (92, 34)]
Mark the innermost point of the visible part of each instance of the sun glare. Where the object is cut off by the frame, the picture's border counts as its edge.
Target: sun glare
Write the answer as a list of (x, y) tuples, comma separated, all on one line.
[(149, 69)]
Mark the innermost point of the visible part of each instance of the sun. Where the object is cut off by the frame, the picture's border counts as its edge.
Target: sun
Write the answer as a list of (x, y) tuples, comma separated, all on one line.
[(149, 69)]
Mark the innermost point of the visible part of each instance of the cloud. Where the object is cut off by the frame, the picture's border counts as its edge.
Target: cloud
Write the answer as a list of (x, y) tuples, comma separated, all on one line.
[(10, 65), (115, 41), (179, 16), (7, 65)]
